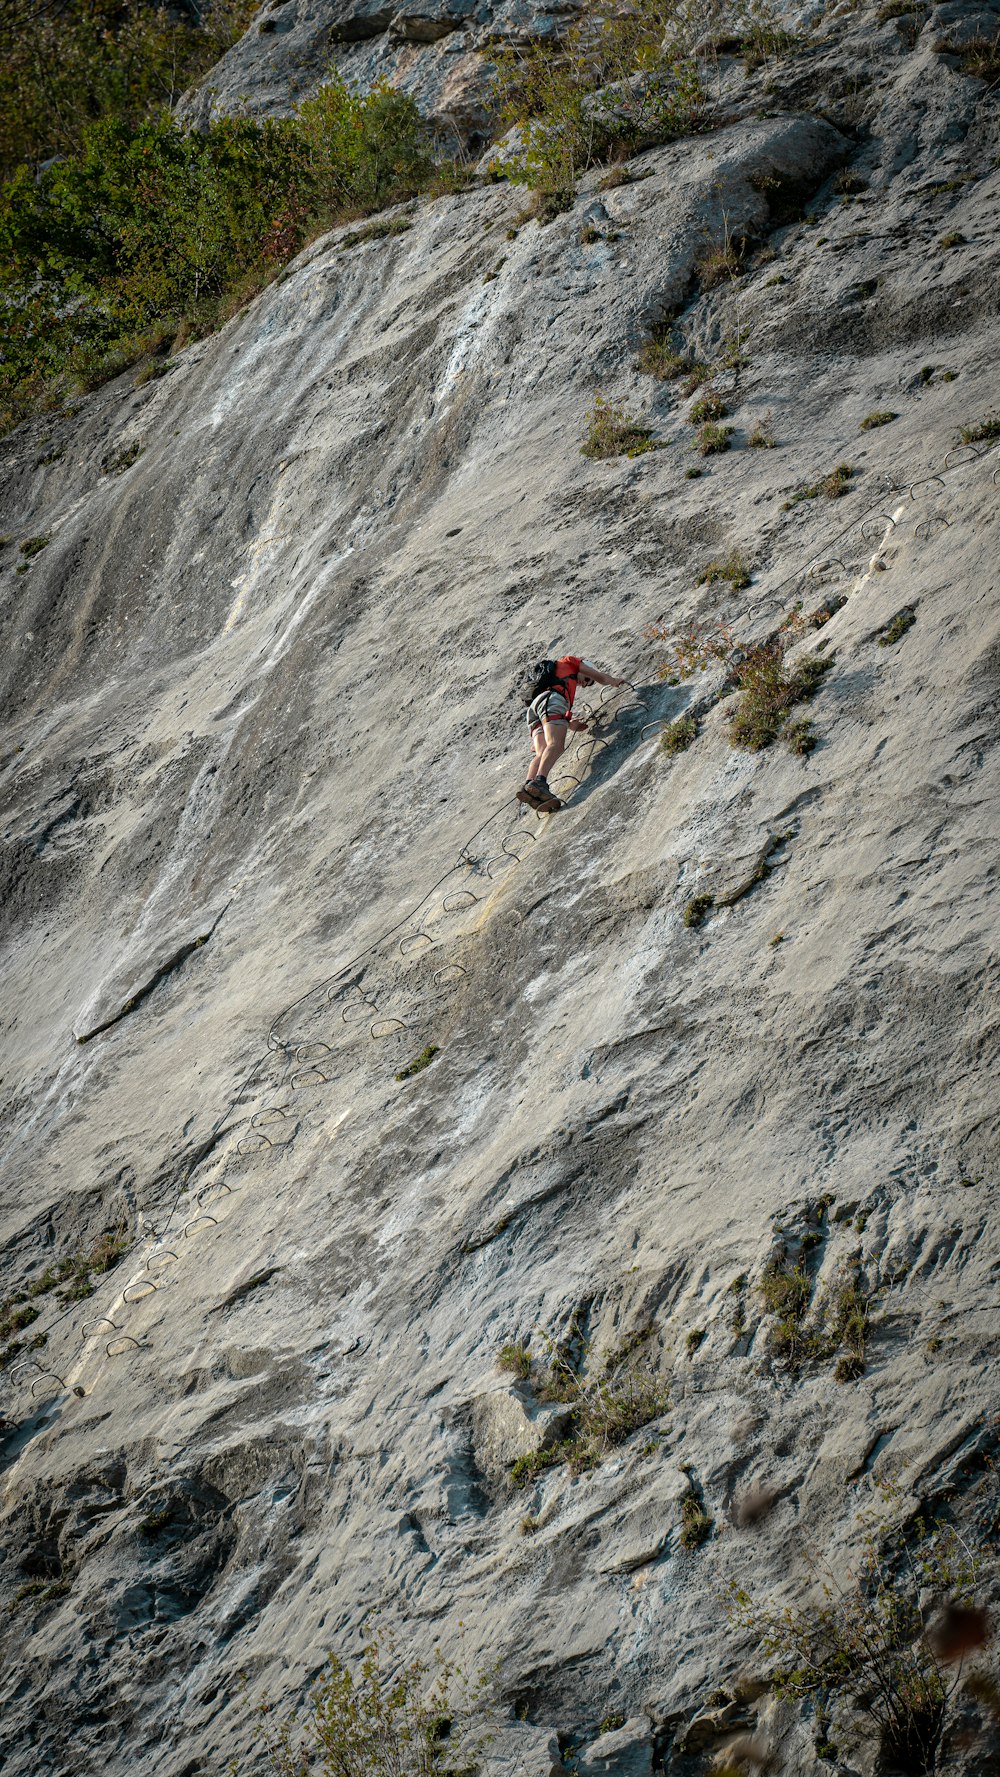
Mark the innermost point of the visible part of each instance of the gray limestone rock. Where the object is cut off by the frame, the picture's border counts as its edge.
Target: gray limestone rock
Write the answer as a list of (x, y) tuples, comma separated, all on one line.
[(272, 668)]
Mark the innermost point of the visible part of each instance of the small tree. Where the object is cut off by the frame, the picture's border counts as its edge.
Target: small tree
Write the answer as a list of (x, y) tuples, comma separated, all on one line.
[(865, 1639), (386, 1718)]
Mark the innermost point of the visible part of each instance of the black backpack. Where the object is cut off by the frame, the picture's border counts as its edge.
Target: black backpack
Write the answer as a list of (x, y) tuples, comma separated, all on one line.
[(543, 679)]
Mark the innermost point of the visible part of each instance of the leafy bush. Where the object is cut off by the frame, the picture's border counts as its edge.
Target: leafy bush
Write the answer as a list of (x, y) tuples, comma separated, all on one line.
[(64, 63), (769, 693), (697, 910), (386, 1718), (155, 233), (615, 81), (516, 1358), (865, 1642), (710, 406), (696, 1525), (732, 567), (658, 358), (419, 1062), (713, 440), (986, 430), (897, 626)]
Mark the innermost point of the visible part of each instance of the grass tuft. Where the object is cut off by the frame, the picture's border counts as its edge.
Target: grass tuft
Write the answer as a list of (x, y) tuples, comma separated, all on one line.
[(897, 626), (713, 440), (613, 432), (733, 568), (419, 1062), (883, 416), (679, 736)]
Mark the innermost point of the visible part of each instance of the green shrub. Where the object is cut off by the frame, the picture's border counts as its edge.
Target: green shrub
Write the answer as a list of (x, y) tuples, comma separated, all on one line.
[(864, 1639), (897, 626), (987, 429), (696, 1525), (612, 432), (386, 1717), (719, 264), (64, 63), (607, 1402), (612, 83), (760, 436), (679, 735), (34, 546), (733, 568), (515, 1358), (419, 1062), (768, 693), (151, 233), (713, 440), (709, 407), (657, 357), (697, 910), (832, 486), (882, 417)]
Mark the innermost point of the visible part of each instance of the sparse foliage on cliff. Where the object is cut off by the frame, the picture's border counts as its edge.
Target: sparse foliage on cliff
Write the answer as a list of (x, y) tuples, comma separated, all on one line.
[(617, 80), (862, 1638), (608, 1400), (385, 1717)]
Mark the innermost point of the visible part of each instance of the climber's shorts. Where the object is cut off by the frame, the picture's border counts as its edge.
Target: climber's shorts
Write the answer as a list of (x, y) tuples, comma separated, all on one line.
[(550, 706)]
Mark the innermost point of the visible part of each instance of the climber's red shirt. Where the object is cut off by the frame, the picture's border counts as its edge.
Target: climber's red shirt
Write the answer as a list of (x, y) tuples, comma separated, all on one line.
[(568, 670)]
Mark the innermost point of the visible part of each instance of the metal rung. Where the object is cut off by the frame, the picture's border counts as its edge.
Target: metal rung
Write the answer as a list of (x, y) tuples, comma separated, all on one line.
[(391, 1027), (413, 938), (123, 1341), (145, 1284), (196, 1221), (444, 970), (464, 897), (167, 1253), (313, 1076)]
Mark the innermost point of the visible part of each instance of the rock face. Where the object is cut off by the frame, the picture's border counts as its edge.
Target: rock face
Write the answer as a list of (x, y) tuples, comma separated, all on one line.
[(260, 849), (438, 53)]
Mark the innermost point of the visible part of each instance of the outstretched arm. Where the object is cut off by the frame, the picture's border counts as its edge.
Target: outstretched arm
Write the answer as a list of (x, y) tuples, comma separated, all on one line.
[(600, 678)]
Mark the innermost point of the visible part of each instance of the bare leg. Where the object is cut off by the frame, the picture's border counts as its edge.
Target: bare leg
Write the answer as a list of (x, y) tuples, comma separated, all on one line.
[(537, 749), (556, 736)]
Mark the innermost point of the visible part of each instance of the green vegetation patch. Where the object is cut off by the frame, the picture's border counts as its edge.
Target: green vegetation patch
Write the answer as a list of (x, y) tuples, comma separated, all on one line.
[(983, 432), (607, 1400), (732, 568), (897, 626), (148, 233), (710, 406), (832, 486), (697, 910), (64, 63), (768, 692), (679, 736), (583, 105), (713, 440), (419, 1062), (883, 416), (614, 432), (34, 545), (696, 1525)]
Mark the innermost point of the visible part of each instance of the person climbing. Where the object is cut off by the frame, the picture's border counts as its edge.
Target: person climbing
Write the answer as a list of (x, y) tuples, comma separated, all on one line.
[(549, 698)]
